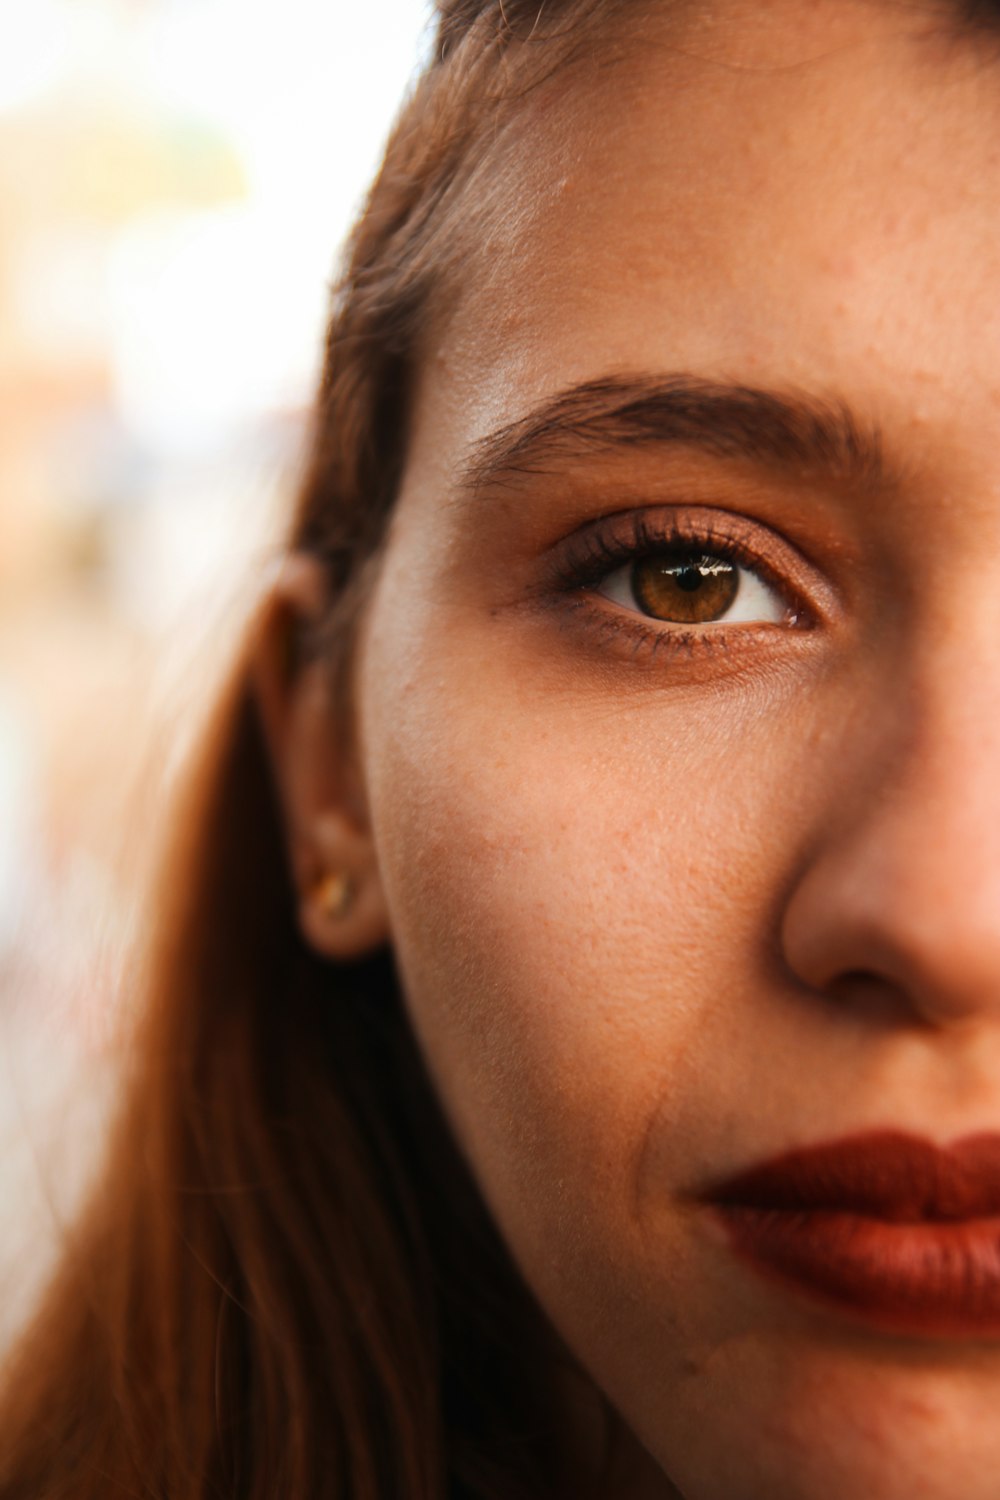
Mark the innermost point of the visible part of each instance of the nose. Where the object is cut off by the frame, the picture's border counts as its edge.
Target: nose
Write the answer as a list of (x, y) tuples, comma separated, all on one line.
[(900, 895)]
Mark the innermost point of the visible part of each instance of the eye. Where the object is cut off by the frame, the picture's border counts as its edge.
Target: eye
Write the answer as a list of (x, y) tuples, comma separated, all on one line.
[(683, 580), (687, 586)]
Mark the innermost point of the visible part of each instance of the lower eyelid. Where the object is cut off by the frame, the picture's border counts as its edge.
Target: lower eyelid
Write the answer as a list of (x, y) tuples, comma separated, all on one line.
[(642, 641)]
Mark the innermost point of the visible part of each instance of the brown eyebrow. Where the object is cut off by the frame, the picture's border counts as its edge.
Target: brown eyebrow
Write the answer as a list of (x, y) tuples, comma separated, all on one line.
[(774, 428)]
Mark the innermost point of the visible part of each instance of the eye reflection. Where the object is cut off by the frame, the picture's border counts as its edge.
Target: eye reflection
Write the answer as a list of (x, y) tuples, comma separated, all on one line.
[(685, 586)]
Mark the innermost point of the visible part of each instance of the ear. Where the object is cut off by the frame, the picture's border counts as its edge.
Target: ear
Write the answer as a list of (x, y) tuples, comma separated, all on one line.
[(331, 853)]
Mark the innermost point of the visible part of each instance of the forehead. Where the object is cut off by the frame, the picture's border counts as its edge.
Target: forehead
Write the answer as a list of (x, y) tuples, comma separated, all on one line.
[(790, 193)]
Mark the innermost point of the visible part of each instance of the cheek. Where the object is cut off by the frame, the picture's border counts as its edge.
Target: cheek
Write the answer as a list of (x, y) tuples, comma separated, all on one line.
[(585, 884), (580, 896)]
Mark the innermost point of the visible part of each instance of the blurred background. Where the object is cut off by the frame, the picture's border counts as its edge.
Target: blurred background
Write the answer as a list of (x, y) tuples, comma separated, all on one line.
[(175, 179)]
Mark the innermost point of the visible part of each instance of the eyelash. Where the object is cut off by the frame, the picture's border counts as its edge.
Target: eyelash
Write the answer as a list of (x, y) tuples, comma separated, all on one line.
[(590, 557)]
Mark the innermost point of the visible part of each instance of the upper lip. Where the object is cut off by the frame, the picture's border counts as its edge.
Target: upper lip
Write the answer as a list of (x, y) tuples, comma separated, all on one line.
[(885, 1174)]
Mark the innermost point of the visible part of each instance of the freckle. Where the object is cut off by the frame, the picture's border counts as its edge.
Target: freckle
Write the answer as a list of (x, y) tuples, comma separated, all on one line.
[(842, 266)]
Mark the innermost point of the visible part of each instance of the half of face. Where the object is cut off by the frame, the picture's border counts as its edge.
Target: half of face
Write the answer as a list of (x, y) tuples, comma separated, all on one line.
[(679, 718)]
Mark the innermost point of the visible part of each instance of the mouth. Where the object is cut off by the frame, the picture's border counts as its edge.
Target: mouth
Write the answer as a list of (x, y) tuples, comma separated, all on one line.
[(885, 1226)]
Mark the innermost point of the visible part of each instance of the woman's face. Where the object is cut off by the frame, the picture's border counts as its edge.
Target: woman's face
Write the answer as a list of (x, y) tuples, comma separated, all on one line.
[(695, 863)]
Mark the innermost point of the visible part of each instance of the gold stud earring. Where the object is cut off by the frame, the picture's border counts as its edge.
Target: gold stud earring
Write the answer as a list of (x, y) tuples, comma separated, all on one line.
[(334, 894)]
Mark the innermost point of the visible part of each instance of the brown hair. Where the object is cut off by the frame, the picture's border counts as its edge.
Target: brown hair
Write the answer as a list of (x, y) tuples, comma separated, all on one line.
[(285, 1283)]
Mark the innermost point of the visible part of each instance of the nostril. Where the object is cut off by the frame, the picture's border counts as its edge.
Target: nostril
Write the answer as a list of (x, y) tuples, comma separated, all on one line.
[(871, 994)]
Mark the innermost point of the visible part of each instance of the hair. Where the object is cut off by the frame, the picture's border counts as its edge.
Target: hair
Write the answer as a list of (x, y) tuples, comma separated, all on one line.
[(285, 1282)]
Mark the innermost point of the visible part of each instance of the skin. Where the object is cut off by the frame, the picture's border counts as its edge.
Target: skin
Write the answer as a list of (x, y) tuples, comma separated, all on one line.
[(662, 912)]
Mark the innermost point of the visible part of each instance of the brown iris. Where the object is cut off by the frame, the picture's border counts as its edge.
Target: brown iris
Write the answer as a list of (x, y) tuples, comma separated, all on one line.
[(687, 588)]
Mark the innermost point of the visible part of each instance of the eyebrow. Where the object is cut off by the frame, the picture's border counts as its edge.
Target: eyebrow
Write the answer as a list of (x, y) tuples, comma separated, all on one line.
[(788, 430)]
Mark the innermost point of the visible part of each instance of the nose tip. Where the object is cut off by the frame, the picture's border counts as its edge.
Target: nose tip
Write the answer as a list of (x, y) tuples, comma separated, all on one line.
[(907, 914)]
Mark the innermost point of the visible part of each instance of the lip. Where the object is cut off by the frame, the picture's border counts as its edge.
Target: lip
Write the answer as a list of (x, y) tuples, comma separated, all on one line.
[(884, 1226)]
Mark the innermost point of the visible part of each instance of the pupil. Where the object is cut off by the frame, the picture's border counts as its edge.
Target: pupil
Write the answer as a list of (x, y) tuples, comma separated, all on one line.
[(685, 588)]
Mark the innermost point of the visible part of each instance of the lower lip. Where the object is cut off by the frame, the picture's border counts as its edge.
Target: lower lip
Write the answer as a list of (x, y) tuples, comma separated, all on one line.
[(929, 1278)]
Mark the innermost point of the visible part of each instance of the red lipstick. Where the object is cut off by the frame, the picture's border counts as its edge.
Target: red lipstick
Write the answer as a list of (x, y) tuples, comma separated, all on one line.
[(904, 1233)]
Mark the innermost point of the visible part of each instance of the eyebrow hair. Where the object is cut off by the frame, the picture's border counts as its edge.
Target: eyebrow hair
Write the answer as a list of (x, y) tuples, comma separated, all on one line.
[(784, 429)]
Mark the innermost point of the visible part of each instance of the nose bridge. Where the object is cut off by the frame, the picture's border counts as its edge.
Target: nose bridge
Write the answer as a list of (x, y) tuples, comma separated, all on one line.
[(907, 886), (943, 774)]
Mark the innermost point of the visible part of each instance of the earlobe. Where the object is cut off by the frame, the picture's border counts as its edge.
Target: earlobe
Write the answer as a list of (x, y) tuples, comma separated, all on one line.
[(330, 849), (341, 905)]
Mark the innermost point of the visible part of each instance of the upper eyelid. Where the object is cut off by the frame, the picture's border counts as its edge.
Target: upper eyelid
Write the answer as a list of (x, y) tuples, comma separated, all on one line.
[(607, 551)]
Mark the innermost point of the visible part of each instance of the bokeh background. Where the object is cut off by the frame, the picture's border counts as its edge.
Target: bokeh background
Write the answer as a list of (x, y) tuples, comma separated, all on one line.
[(175, 179)]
